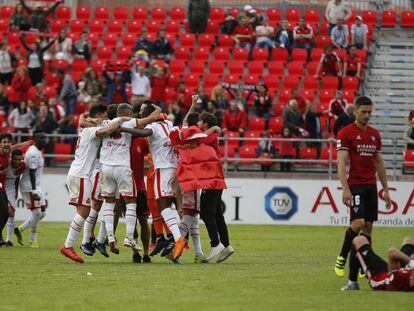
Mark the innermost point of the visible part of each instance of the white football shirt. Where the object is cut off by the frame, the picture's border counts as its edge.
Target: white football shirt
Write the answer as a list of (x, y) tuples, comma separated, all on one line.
[(86, 153), (163, 153), (115, 150), (34, 161)]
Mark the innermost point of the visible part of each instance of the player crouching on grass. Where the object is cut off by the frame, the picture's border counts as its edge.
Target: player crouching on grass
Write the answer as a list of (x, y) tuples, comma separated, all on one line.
[(396, 275)]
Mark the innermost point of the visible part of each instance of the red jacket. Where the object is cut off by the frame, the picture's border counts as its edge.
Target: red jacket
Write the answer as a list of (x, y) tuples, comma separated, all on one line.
[(199, 166), (234, 122), (20, 89)]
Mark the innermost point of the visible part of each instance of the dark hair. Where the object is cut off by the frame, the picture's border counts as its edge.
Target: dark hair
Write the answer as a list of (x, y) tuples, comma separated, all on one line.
[(283, 129), (37, 133), (363, 101), (111, 112), (97, 109), (17, 152), (6, 135), (329, 46), (60, 71), (208, 118), (136, 109), (148, 109), (193, 118), (293, 90)]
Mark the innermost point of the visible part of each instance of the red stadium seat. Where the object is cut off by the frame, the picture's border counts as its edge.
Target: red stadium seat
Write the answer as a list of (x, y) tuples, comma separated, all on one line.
[(177, 67), (295, 68), (60, 63), (272, 82), (325, 96), (196, 67), (407, 19), (240, 54), (255, 67), (330, 83), (230, 134), (79, 65), (6, 11), (206, 39), (257, 124), (201, 53), (300, 55), (170, 94), (187, 40), (94, 39), (13, 38), (182, 53), (75, 120), (153, 26), (225, 40), (216, 66), (323, 29), (350, 83), (134, 27), (253, 135), (274, 15), (102, 12), (307, 153), (77, 26), (211, 80), (284, 96), (83, 12), (173, 80), (341, 54), (279, 54), (325, 154), (192, 81), (63, 12), (362, 54), (409, 157), (310, 83), (96, 26), (231, 152), (311, 68), (275, 124), (63, 152), (159, 14), (291, 82), (251, 79), (217, 14), (308, 94), (123, 53), (322, 41), (349, 95), (276, 68), (104, 53), (231, 79), (110, 39), (4, 25), (312, 16), (128, 39), (293, 15), (115, 26), (260, 54), (316, 54), (370, 17), (236, 67), (56, 25), (51, 78), (221, 53), (247, 155), (172, 27), (213, 27), (139, 13), (177, 14), (389, 18), (121, 13)]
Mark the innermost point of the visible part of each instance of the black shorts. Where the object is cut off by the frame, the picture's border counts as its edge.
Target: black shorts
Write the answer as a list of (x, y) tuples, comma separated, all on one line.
[(142, 206), (408, 249), (4, 202), (364, 202), (371, 262)]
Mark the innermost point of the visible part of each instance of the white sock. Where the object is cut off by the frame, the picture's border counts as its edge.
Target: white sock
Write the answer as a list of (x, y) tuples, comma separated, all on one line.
[(130, 219), (89, 222), (108, 215), (102, 232), (195, 236), (75, 228), (411, 264), (10, 227), (34, 224), (171, 221), (185, 225), (27, 223)]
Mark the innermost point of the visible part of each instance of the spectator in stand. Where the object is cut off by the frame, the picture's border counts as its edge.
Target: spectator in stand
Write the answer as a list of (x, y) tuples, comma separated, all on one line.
[(240, 100), (303, 36), (340, 35), (265, 150), (4, 103), (174, 113), (19, 20), (243, 35), (249, 16), (409, 136), (82, 95), (264, 33), (183, 98), (44, 42), (411, 118), (93, 84), (68, 93), (353, 64), (39, 94), (345, 118), (20, 119), (286, 149), (39, 15), (284, 36), (140, 84), (66, 127), (234, 119), (218, 96), (359, 32), (8, 63), (63, 47), (262, 102), (159, 83), (212, 108), (202, 96), (313, 127), (330, 64), (82, 48), (143, 47), (162, 48), (293, 119), (116, 81), (303, 102), (337, 9), (57, 111), (20, 86), (336, 107), (198, 14), (35, 61), (229, 23)]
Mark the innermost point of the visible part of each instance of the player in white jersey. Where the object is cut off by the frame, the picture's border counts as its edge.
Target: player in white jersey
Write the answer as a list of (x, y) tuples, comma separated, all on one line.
[(165, 165), (79, 176), (117, 176), (30, 188), (15, 169)]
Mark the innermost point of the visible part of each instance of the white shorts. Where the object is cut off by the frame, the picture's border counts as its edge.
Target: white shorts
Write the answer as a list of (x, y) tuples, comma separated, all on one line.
[(96, 185), (29, 201), (80, 190), (191, 201), (117, 180), (165, 183), (11, 194)]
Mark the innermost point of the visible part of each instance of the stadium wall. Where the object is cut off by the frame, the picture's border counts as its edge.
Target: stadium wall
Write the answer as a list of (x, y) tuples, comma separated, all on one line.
[(270, 201)]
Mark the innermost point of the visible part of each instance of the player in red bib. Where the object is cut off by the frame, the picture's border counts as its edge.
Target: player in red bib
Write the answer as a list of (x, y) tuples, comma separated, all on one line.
[(395, 275), (361, 145)]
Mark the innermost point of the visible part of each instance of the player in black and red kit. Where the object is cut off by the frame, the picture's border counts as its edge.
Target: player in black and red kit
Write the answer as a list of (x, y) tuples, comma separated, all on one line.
[(361, 144), (396, 275)]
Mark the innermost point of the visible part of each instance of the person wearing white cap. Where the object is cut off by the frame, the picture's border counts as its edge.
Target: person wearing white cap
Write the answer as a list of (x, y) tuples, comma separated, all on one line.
[(249, 16), (359, 33)]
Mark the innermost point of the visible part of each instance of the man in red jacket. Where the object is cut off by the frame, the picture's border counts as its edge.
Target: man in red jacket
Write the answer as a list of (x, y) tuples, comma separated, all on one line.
[(234, 119)]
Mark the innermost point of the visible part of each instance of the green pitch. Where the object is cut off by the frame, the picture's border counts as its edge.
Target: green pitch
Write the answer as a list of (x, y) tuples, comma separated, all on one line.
[(273, 268)]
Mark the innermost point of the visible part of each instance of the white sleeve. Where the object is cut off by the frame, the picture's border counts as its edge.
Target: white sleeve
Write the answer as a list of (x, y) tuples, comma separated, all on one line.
[(133, 123), (90, 132), (31, 162)]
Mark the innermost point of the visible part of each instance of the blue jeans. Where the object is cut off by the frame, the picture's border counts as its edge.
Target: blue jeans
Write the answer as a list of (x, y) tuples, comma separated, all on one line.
[(359, 45), (265, 44), (70, 105), (244, 45)]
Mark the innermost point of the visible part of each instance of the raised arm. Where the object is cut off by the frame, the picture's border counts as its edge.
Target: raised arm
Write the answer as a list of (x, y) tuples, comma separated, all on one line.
[(194, 99), (26, 7), (212, 130), (53, 8), (47, 47), (24, 43), (137, 132), (108, 130), (154, 116), (20, 145)]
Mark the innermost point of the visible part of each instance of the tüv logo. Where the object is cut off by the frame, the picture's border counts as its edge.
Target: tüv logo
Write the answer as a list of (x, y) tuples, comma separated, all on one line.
[(281, 203)]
